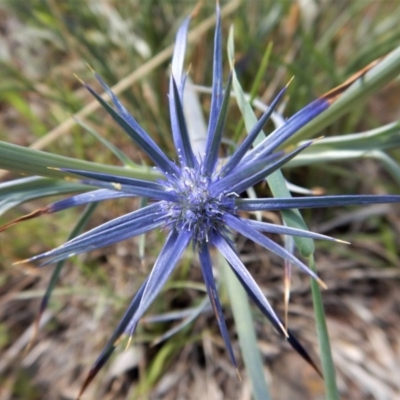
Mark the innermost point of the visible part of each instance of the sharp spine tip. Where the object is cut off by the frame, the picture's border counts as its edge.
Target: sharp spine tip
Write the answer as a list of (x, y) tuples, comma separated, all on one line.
[(290, 81), (342, 241), (322, 284), (79, 79), (90, 68), (238, 374), (21, 262)]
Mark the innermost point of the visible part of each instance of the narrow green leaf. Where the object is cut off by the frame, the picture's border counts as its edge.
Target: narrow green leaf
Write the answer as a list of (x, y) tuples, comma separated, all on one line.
[(245, 329), (292, 218), (276, 181), (328, 367), (388, 163), (384, 137), (255, 86), (33, 162), (15, 192), (125, 160), (260, 72)]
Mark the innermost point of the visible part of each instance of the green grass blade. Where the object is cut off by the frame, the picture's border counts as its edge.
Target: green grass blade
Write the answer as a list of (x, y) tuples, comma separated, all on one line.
[(260, 72), (292, 218), (391, 165), (356, 145), (125, 160), (33, 162), (384, 137), (328, 368), (275, 181), (255, 86), (18, 191), (323, 157), (245, 329)]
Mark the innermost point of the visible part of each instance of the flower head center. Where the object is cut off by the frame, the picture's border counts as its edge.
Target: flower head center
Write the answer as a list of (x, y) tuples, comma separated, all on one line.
[(195, 209)]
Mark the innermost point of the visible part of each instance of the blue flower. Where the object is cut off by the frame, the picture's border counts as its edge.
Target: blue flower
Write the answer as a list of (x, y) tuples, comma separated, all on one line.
[(197, 201)]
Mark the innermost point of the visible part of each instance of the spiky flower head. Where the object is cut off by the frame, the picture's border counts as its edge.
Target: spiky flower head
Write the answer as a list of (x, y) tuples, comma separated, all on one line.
[(197, 200)]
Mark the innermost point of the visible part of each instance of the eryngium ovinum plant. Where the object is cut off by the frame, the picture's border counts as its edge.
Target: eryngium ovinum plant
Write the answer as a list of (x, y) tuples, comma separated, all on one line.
[(197, 201)]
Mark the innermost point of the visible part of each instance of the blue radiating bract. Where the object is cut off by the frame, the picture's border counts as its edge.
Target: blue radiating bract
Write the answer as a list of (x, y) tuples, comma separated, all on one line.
[(197, 201)]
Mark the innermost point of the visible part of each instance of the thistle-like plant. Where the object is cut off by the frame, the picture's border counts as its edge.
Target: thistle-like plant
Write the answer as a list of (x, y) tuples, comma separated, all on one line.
[(197, 200)]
